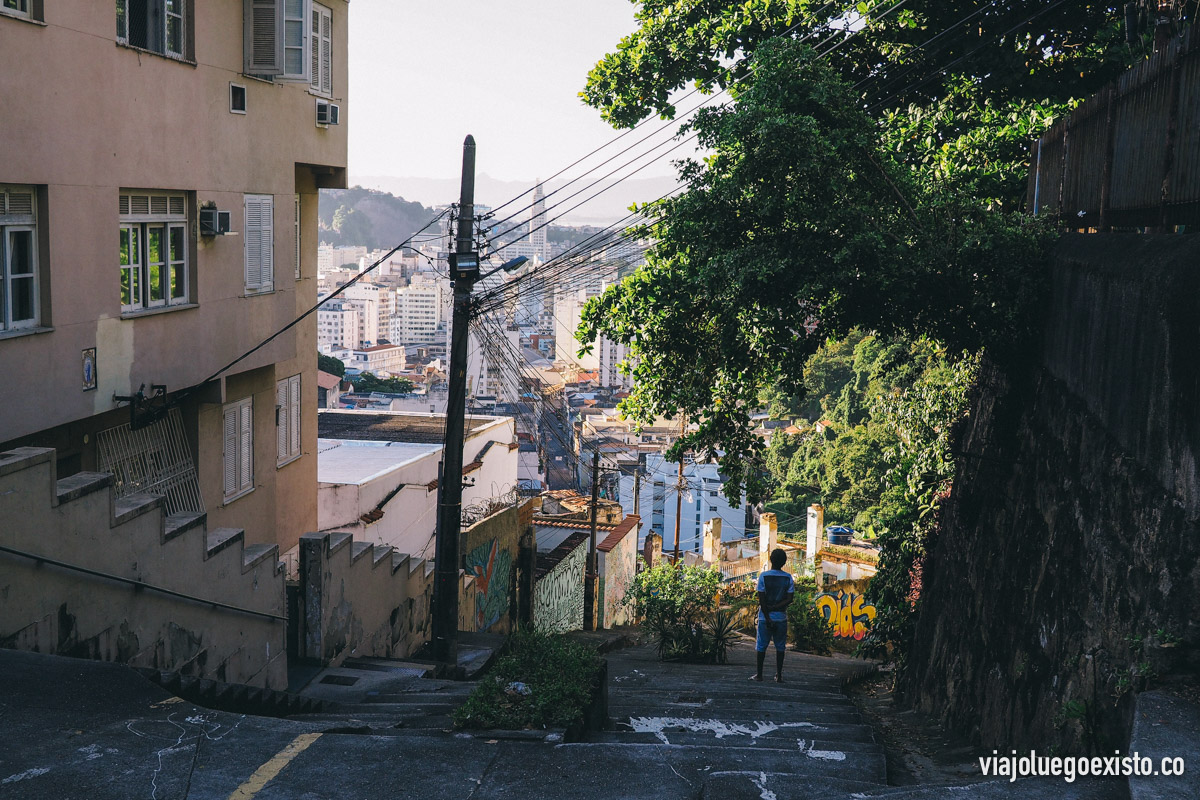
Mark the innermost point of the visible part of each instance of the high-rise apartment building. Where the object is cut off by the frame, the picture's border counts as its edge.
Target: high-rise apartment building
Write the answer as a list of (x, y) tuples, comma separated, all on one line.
[(420, 311)]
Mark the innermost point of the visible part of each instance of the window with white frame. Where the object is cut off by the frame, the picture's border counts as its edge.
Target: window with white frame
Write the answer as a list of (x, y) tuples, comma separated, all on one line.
[(18, 258), (321, 49), (16, 8), (238, 447), (154, 249), (287, 419), (260, 242), (288, 40), (160, 26)]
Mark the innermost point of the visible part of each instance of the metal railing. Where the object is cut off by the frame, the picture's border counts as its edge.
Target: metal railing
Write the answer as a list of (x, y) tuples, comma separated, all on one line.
[(1129, 157)]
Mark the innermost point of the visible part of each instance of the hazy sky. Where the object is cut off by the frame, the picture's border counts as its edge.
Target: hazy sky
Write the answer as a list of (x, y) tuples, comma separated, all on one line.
[(424, 73)]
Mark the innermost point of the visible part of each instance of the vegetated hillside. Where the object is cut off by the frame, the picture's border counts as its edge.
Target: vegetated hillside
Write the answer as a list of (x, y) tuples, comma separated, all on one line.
[(377, 220), (380, 220)]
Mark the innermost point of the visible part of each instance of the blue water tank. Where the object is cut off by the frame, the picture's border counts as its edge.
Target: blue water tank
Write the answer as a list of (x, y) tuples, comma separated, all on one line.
[(839, 535)]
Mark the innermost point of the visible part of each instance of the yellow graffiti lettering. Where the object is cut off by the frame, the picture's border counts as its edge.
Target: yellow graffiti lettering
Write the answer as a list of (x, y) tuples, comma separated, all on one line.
[(849, 616)]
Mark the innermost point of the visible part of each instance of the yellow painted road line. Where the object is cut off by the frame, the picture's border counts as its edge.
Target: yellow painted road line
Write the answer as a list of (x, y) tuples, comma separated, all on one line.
[(263, 775)]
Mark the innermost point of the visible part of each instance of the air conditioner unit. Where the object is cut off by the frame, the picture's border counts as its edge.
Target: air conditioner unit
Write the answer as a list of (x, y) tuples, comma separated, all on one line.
[(328, 113), (213, 222)]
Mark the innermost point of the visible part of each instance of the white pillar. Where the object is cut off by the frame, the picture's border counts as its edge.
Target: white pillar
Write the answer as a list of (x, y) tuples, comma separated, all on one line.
[(816, 525), (768, 539)]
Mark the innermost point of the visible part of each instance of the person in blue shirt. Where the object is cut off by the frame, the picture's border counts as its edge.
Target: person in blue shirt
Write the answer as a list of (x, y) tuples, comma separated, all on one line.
[(775, 592)]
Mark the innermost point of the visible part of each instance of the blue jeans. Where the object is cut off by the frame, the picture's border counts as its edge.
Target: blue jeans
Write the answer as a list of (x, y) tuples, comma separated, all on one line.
[(771, 630)]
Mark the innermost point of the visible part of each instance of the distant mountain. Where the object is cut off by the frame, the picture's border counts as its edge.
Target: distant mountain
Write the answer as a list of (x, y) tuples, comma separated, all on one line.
[(605, 209), (377, 220)]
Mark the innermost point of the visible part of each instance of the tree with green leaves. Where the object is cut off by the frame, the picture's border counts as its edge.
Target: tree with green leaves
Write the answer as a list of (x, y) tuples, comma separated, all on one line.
[(961, 89), (334, 366), (368, 382), (802, 225)]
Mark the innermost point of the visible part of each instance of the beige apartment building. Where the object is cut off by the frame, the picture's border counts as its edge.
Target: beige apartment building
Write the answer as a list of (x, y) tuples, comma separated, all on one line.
[(134, 132)]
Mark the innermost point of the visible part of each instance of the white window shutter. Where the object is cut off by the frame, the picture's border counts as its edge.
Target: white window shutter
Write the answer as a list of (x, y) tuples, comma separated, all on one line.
[(283, 419), (231, 453), (259, 245), (262, 34), (294, 415), (246, 478), (314, 48), (326, 51)]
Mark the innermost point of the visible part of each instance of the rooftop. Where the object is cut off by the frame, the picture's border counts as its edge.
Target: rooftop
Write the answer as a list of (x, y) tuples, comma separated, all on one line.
[(395, 426), (358, 462)]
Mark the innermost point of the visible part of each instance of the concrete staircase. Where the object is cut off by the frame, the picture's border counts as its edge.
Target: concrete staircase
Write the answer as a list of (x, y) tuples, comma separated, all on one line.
[(392, 697), (89, 574), (709, 732)]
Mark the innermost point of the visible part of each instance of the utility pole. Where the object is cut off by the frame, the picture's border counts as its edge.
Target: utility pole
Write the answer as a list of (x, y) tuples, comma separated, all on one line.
[(678, 507), (637, 489), (679, 487), (589, 586), (464, 271)]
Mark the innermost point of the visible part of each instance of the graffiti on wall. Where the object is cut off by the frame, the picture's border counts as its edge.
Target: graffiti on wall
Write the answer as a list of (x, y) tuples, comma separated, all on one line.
[(558, 595), (847, 613), (492, 570), (620, 564)]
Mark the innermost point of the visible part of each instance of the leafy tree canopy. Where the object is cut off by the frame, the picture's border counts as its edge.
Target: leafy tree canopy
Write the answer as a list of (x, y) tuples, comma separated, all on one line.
[(369, 382), (333, 366), (800, 226), (962, 87)]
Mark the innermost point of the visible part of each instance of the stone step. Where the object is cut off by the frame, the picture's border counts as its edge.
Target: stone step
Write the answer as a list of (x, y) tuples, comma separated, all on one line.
[(20, 458), (181, 522), (381, 553), (393, 665), (628, 762), (359, 549), (448, 697), (220, 538), (789, 730), (783, 786), (737, 713), (133, 506), (1022, 789), (749, 690), (778, 740), (81, 484), (256, 553)]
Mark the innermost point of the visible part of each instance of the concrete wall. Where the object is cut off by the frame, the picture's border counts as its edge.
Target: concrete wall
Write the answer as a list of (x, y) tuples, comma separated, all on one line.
[(490, 552), (1072, 528), (361, 599), (558, 587), (618, 566), (52, 609)]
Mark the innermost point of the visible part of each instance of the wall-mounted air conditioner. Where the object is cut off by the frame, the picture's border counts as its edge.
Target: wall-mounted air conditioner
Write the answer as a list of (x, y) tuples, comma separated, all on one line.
[(213, 222), (328, 113)]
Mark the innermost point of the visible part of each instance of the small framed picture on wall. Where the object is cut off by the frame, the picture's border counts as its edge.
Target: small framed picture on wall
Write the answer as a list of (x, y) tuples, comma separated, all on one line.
[(89, 369)]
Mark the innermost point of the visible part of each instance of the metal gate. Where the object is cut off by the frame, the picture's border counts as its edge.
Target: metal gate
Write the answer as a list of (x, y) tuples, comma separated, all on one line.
[(152, 460)]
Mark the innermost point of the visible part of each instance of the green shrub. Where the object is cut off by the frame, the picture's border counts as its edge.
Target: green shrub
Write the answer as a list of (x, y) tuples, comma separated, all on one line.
[(685, 595), (543, 680), (680, 606)]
